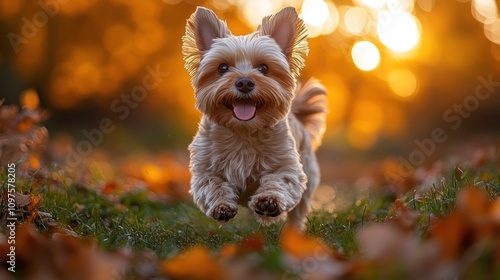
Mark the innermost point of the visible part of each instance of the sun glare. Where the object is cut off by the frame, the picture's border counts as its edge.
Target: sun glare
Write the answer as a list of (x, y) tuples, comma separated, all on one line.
[(365, 55), (253, 14), (315, 12), (321, 18), (399, 32)]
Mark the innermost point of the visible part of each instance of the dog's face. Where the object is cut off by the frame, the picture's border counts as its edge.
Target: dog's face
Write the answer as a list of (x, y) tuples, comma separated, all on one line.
[(244, 81)]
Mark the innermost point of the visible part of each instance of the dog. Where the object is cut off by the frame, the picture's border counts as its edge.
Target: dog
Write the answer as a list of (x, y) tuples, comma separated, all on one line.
[(259, 129)]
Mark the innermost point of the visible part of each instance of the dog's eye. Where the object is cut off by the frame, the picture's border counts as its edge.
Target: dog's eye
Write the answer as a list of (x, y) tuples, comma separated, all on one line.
[(264, 69), (223, 68)]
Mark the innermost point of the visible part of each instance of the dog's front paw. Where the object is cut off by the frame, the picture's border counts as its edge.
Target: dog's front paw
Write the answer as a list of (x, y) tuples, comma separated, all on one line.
[(224, 213), (267, 206)]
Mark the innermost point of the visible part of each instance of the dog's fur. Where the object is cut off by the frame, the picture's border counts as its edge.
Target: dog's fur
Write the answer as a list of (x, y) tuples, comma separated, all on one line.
[(267, 161)]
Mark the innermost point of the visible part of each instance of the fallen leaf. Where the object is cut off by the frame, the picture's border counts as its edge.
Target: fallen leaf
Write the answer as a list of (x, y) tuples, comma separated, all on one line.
[(253, 243), (495, 212), (229, 251), (473, 203), (195, 263), (472, 222), (109, 188), (301, 246), (29, 99), (449, 233)]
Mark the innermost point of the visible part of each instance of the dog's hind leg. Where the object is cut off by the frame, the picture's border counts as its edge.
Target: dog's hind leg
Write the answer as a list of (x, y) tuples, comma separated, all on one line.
[(297, 217)]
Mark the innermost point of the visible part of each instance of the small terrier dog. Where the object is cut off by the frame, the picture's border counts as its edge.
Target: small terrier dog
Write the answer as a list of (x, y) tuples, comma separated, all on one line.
[(259, 130)]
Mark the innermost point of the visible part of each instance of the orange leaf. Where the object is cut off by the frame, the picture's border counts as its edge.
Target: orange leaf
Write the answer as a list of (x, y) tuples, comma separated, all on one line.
[(29, 99), (495, 212), (195, 263), (109, 188), (252, 243), (34, 161), (473, 203), (301, 246), (228, 251)]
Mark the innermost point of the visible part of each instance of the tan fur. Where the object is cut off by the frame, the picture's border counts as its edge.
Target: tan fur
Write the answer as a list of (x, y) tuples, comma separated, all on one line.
[(266, 163)]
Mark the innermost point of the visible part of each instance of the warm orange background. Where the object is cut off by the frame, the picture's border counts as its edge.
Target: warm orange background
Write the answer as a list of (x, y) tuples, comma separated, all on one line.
[(422, 59)]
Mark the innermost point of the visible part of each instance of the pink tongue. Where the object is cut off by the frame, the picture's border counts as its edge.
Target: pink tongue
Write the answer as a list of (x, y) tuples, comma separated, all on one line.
[(244, 110)]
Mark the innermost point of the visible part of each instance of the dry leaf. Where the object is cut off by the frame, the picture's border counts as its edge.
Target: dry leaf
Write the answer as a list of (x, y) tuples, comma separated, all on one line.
[(229, 251), (195, 263), (495, 212), (472, 222), (253, 243), (62, 256), (473, 203), (109, 188), (301, 246), (449, 233), (29, 99)]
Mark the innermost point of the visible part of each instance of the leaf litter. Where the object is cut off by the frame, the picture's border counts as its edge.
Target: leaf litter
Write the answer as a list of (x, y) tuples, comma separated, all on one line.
[(463, 243)]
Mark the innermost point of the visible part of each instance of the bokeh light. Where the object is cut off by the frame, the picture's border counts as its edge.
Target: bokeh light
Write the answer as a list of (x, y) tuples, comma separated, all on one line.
[(374, 4), (333, 20), (492, 31), (400, 6), (365, 55), (314, 12), (253, 14), (355, 20), (400, 49), (484, 11), (426, 5), (403, 82), (400, 32)]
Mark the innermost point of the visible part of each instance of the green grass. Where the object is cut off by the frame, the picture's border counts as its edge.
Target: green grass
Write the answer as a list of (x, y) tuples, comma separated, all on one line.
[(134, 220)]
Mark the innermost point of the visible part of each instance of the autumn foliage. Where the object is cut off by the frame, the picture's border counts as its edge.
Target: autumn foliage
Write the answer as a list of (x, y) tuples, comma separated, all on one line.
[(464, 243)]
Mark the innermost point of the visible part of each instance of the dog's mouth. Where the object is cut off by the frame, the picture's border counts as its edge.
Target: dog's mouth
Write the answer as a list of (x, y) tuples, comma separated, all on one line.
[(244, 109)]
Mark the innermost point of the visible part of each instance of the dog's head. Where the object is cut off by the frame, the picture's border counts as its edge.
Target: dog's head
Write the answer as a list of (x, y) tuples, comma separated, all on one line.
[(244, 81)]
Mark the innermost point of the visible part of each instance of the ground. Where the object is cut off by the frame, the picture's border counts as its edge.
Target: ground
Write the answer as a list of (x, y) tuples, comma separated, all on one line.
[(106, 219)]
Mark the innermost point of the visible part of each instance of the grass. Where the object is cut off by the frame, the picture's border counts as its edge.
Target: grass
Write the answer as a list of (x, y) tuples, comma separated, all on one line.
[(134, 220)]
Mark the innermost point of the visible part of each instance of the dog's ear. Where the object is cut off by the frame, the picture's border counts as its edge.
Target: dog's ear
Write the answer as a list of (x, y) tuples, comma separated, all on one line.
[(201, 29), (204, 26), (289, 32)]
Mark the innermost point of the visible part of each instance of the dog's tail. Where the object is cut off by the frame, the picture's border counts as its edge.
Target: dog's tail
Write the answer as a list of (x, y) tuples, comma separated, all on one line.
[(310, 108)]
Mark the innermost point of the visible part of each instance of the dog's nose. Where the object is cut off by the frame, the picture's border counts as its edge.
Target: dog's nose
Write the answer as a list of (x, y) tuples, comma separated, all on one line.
[(245, 85)]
